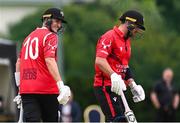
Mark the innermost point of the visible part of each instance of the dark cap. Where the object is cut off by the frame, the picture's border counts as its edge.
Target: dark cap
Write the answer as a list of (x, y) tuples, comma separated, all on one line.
[(54, 13), (134, 17)]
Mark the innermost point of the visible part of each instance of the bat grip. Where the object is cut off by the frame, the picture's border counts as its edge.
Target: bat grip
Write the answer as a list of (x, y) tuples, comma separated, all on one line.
[(125, 102), (21, 115)]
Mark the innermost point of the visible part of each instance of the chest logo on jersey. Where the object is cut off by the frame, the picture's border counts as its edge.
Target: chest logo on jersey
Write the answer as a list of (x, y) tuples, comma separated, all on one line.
[(106, 45)]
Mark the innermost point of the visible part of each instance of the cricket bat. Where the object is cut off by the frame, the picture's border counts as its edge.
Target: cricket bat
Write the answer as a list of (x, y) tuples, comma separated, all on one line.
[(128, 112)]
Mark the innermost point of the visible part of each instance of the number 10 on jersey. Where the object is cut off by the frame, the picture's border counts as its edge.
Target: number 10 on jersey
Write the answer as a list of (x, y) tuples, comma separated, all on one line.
[(31, 45)]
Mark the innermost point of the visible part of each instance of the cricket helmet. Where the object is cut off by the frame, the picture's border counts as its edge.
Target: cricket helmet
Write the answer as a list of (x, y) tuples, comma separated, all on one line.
[(133, 16), (54, 13)]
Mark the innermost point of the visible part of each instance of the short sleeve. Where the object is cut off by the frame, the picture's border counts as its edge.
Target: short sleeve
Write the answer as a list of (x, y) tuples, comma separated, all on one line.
[(50, 47), (104, 46), (156, 87)]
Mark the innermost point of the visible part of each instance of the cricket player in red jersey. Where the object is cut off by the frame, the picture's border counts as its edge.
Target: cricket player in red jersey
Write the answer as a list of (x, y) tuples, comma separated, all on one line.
[(37, 74), (112, 72)]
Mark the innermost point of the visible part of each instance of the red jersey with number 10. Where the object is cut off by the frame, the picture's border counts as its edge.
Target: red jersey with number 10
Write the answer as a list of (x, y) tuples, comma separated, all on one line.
[(35, 77), (117, 52)]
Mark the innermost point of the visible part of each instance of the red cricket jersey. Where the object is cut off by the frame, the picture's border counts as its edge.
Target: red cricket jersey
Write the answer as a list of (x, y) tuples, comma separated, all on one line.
[(116, 50), (35, 77)]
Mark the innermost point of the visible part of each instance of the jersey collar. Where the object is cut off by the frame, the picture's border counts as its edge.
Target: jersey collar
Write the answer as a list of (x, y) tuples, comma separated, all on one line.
[(118, 32), (43, 27)]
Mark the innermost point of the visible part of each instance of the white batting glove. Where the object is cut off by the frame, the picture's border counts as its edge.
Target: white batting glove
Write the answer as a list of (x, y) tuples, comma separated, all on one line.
[(65, 93), (117, 84), (18, 101), (137, 91), (17, 78)]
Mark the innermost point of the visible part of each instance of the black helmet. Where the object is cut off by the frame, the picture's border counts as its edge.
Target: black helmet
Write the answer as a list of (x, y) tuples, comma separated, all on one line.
[(54, 13), (134, 17)]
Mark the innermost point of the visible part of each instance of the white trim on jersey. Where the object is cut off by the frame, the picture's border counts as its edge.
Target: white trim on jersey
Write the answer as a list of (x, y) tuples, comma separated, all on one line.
[(42, 27), (46, 37), (104, 52)]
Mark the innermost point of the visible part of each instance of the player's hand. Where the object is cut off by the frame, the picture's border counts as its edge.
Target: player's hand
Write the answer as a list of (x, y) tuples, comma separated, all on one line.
[(117, 84), (18, 101), (137, 91), (65, 93)]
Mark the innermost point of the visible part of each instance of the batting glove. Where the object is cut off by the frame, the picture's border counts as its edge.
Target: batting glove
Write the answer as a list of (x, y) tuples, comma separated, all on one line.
[(65, 93), (18, 101), (17, 78), (137, 91), (117, 84)]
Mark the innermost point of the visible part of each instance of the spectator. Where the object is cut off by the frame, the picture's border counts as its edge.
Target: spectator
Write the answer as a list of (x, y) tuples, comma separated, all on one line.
[(165, 98), (70, 112)]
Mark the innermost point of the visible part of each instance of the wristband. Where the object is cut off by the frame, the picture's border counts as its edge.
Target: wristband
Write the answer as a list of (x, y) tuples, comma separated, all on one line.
[(60, 84), (128, 74), (17, 78), (132, 84)]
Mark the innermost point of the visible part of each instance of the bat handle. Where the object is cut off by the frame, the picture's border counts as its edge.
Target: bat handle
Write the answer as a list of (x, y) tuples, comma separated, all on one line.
[(125, 102), (21, 115)]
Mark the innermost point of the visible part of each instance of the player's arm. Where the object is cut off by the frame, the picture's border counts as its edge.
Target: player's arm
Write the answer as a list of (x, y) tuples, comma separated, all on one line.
[(17, 73), (104, 65), (64, 90), (53, 68), (176, 101), (155, 100), (49, 49), (18, 65), (17, 99), (103, 49), (117, 84), (137, 90)]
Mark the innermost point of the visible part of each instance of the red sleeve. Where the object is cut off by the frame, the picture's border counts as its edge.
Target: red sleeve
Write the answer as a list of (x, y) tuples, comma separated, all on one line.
[(104, 46), (50, 47)]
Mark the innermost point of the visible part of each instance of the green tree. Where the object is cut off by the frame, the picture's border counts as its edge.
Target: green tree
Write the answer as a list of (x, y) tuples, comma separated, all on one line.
[(21, 29), (170, 9)]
